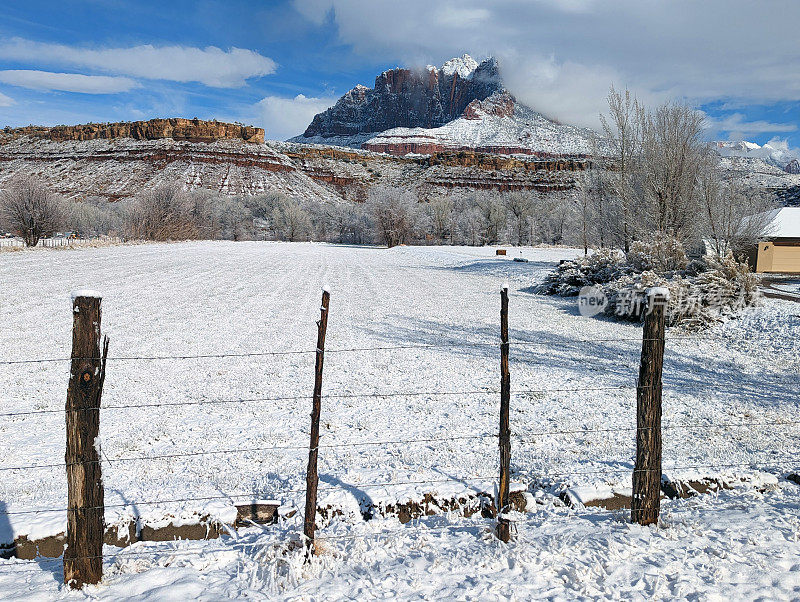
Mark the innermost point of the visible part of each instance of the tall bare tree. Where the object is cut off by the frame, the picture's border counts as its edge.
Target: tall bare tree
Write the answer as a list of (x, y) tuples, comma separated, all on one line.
[(394, 213), (289, 220), (164, 213), (29, 208), (673, 156), (734, 218), (622, 130), (521, 207), (441, 217)]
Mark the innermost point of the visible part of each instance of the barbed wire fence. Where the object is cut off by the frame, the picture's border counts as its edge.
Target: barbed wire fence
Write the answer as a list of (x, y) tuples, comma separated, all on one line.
[(84, 563)]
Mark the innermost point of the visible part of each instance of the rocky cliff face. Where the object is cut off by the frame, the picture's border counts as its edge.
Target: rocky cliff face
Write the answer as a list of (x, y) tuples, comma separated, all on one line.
[(409, 98), (122, 168), (191, 130), (792, 167), (496, 125)]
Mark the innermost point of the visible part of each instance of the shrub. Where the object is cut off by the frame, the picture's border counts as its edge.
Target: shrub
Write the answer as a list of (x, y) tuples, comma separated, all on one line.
[(664, 254), (701, 292), (571, 276)]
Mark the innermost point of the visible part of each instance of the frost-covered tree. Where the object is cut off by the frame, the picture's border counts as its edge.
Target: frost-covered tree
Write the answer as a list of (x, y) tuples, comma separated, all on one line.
[(469, 223), (622, 130), (232, 218), (672, 158), (94, 216), (441, 217), (520, 207), (289, 220), (394, 213), (165, 213), (494, 216), (733, 217), (29, 208)]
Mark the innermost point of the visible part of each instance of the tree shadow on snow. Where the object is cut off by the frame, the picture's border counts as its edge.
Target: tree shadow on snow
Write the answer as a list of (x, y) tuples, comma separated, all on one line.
[(502, 268), (534, 352), (531, 350)]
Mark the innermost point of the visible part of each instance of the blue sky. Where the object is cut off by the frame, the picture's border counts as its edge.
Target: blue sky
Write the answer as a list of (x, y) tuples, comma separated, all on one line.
[(276, 63)]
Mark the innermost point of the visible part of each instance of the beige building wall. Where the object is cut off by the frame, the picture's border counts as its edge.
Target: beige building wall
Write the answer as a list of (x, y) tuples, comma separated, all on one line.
[(778, 258)]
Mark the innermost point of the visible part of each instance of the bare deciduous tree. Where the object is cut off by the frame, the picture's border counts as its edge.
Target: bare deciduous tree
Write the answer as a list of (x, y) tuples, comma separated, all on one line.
[(164, 213), (441, 217), (494, 215), (521, 208), (394, 213), (622, 131), (734, 218), (289, 220), (30, 209), (672, 158)]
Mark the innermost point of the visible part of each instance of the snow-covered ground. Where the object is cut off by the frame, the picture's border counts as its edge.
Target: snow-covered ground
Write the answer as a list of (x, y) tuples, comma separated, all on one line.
[(723, 393)]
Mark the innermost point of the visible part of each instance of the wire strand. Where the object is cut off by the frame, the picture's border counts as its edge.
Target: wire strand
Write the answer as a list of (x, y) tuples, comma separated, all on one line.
[(519, 342), (326, 396)]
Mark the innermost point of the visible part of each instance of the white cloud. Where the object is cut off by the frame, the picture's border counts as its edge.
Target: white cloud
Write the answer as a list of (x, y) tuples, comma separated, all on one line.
[(561, 56), (5, 101), (284, 118), (211, 66), (67, 82), (452, 16), (738, 128)]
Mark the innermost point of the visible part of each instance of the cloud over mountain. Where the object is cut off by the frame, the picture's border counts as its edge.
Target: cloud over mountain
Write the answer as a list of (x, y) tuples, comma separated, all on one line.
[(560, 57)]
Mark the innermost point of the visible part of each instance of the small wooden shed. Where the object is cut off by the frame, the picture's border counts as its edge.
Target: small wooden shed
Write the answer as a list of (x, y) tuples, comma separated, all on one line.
[(779, 252)]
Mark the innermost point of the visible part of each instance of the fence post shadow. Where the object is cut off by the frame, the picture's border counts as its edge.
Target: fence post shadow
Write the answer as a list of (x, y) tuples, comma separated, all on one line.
[(365, 502)]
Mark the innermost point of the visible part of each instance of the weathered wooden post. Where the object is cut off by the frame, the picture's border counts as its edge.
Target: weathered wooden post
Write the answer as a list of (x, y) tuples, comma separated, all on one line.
[(83, 556), (503, 525), (312, 477), (646, 501)]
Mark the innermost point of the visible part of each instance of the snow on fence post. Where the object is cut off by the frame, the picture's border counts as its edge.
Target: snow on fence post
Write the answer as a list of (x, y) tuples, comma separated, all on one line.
[(503, 525), (83, 556), (312, 478), (646, 500)]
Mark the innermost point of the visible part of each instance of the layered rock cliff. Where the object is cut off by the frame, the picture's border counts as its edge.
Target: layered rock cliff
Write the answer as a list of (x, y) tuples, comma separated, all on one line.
[(124, 167), (191, 130), (411, 98)]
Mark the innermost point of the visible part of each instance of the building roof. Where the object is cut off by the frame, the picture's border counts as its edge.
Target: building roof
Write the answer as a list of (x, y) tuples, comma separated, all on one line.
[(785, 223)]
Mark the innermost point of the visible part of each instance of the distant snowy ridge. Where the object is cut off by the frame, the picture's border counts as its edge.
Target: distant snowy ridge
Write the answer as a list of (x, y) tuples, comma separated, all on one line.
[(775, 153)]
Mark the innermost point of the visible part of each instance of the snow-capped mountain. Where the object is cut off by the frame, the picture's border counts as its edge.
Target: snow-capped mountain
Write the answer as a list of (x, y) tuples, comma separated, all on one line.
[(461, 105), (427, 98), (498, 124), (776, 153)]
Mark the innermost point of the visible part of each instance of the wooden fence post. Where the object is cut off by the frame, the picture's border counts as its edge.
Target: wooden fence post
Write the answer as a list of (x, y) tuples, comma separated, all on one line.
[(503, 525), (646, 501), (83, 556), (312, 477)]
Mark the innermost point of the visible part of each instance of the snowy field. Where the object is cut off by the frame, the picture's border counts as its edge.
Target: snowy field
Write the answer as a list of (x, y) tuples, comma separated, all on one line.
[(573, 407)]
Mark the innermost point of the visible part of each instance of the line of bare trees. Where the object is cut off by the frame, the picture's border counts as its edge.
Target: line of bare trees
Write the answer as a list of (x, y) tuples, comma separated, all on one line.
[(659, 178), (663, 179), (388, 216)]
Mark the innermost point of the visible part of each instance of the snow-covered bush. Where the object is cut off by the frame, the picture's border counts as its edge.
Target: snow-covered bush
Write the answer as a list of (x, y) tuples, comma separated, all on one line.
[(663, 255), (571, 276), (702, 292)]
